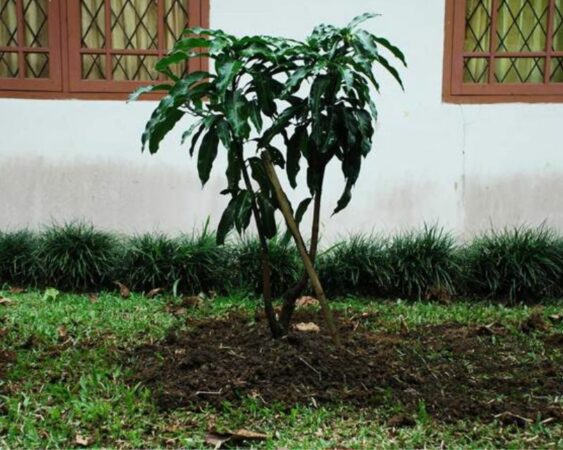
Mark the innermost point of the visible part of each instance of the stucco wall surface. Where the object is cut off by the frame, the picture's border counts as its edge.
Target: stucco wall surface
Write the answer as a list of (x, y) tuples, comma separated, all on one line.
[(465, 167)]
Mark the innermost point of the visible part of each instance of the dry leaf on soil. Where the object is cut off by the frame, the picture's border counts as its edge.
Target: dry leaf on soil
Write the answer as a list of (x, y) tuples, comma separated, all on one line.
[(5, 301), (82, 440), (62, 332), (124, 291), (218, 440), (307, 327), (16, 290), (556, 318), (154, 292), (306, 301), (191, 302)]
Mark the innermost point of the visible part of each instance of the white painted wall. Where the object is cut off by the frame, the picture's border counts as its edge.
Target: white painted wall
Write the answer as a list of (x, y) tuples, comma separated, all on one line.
[(465, 167)]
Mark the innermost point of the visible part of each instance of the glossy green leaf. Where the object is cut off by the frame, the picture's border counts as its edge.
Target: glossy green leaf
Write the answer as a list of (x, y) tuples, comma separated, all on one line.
[(227, 221), (344, 200), (297, 144), (397, 53), (195, 138), (258, 172), (366, 44), (224, 133), (227, 70), (234, 166), (394, 72), (147, 89), (302, 209), (244, 211), (361, 18), (192, 43), (176, 57), (267, 216), (186, 134), (207, 154), (237, 111), (256, 116), (264, 94)]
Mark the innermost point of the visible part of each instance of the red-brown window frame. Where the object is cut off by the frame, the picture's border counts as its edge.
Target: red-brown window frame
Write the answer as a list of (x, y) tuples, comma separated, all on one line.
[(455, 91), (65, 65)]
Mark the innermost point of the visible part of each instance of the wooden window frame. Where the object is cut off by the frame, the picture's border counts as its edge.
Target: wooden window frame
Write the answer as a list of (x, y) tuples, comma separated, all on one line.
[(54, 82), (455, 91), (65, 60)]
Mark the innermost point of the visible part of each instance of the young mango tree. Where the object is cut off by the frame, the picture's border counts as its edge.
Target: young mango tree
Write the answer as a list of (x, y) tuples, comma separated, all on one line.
[(314, 97)]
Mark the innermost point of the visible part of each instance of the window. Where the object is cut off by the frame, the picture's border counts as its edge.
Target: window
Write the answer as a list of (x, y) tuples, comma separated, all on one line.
[(89, 48), (503, 50)]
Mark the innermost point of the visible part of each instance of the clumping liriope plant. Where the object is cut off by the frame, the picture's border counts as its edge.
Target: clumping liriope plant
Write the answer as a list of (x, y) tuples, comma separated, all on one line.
[(314, 96)]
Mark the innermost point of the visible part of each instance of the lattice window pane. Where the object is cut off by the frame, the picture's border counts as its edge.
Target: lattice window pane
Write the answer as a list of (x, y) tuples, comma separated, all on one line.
[(94, 67), (9, 67), (175, 21), (93, 25), (134, 67), (557, 70), (478, 25), (558, 26), (35, 14), (8, 23), (37, 65), (134, 24), (519, 70), (522, 25), (475, 70)]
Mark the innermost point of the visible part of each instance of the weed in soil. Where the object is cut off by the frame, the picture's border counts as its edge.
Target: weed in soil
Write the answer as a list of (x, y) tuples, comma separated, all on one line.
[(456, 372)]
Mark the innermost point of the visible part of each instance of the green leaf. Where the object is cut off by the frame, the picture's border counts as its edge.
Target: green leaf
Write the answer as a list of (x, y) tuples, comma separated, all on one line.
[(186, 134), (160, 128), (365, 127), (227, 70), (175, 57), (191, 43), (318, 89), (258, 172), (196, 138), (227, 221), (279, 125), (224, 133), (256, 116), (297, 143), (267, 216), (244, 211), (360, 19), (366, 44), (276, 155), (345, 198), (264, 94), (207, 154), (146, 89), (234, 166), (296, 78), (302, 209), (381, 60), (348, 78), (397, 53), (236, 108)]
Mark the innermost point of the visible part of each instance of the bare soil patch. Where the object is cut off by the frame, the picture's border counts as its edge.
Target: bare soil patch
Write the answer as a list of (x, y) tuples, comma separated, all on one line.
[(456, 371)]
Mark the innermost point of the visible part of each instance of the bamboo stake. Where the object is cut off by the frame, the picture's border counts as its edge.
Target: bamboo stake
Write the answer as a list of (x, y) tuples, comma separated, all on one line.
[(294, 229)]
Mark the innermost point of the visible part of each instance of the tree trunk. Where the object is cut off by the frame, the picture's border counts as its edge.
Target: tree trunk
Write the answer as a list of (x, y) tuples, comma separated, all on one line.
[(273, 323), (293, 293), (294, 229)]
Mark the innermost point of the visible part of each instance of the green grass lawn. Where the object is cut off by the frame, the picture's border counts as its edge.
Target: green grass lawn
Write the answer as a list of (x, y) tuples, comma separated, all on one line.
[(69, 385)]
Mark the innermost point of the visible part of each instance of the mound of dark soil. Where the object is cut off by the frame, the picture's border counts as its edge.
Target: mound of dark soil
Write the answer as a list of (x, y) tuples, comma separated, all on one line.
[(458, 372)]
